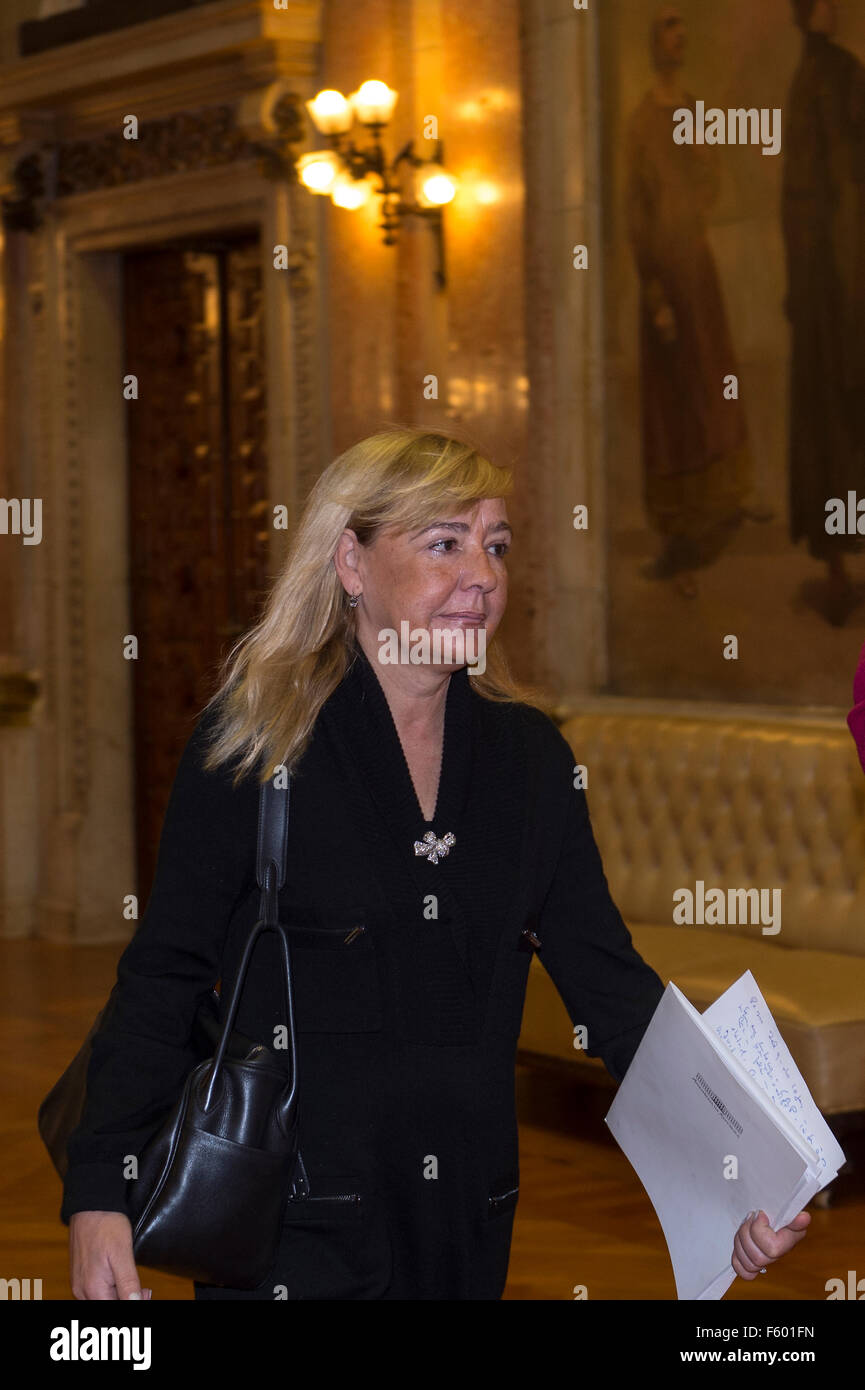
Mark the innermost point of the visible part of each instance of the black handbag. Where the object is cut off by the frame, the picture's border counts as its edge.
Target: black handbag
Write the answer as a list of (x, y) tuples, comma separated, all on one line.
[(212, 1183), (62, 1109), (209, 1200)]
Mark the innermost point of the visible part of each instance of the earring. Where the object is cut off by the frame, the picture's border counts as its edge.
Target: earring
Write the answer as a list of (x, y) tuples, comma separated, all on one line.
[(354, 600)]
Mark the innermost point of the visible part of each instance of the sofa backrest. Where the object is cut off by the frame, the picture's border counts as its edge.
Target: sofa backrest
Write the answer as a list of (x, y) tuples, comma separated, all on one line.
[(741, 797)]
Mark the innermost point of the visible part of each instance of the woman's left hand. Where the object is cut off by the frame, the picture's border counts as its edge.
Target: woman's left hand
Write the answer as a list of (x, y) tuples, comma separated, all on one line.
[(756, 1245)]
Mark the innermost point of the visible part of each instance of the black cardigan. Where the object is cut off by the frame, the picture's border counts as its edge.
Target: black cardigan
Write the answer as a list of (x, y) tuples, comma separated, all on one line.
[(407, 1035)]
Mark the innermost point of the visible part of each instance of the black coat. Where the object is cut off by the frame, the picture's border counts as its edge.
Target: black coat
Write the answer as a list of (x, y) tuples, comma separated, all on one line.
[(406, 1035)]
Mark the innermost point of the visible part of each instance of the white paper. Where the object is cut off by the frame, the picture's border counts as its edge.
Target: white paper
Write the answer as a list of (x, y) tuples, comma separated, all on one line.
[(687, 1108), (743, 1021)]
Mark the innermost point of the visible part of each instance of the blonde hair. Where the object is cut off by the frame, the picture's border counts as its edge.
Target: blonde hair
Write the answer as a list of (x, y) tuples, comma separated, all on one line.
[(277, 677)]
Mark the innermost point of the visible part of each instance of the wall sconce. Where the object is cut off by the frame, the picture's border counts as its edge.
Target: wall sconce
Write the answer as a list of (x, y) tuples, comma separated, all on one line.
[(351, 174)]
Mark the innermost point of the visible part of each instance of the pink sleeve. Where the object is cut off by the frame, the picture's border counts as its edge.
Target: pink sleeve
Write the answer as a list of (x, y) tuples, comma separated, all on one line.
[(856, 717)]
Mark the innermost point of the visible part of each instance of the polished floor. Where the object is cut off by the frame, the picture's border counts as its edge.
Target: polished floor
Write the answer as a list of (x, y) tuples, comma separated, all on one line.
[(583, 1218)]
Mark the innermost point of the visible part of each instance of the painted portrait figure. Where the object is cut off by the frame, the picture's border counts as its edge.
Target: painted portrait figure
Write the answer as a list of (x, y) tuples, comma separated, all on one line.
[(698, 481), (823, 215)]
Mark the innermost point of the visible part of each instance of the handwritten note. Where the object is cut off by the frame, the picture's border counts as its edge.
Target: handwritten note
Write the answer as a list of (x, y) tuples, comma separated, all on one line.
[(743, 1021)]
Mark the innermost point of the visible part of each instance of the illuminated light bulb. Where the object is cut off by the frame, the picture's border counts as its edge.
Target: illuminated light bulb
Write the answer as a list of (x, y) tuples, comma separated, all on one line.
[(318, 170), (330, 112), (373, 103), (350, 193), (434, 186), (487, 193)]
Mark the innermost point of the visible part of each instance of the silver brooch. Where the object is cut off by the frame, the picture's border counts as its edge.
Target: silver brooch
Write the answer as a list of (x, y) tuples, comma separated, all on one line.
[(433, 847)]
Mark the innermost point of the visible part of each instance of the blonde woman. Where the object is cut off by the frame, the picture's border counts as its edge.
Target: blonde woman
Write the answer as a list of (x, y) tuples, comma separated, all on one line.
[(407, 1029)]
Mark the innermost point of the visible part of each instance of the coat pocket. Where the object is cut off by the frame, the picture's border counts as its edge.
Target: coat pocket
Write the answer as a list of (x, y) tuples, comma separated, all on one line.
[(335, 972), (334, 1245)]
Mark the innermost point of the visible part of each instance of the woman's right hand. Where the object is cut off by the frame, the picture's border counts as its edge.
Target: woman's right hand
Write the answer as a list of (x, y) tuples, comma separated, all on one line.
[(101, 1261)]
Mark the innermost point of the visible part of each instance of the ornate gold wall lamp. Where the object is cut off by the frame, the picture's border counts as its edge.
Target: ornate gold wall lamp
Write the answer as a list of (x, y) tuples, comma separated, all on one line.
[(408, 185)]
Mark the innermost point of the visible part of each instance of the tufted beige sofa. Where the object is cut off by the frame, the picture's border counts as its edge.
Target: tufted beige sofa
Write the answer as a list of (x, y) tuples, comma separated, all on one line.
[(738, 797)]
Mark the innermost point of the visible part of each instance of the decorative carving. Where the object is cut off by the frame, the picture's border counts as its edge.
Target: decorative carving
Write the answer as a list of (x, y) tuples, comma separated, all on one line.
[(307, 424), (75, 673), (183, 142), (20, 209), (299, 263)]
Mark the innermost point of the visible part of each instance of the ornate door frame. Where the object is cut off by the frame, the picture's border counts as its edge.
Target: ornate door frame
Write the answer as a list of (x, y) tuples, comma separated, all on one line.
[(66, 798), (78, 446)]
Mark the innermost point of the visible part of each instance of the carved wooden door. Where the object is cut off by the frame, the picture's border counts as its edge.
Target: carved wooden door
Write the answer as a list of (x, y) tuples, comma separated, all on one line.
[(198, 493)]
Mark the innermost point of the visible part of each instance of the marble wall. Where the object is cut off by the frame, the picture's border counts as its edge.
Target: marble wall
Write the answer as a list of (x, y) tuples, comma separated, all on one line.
[(387, 325)]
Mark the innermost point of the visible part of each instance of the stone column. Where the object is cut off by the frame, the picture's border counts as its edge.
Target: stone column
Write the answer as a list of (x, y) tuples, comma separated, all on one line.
[(565, 339)]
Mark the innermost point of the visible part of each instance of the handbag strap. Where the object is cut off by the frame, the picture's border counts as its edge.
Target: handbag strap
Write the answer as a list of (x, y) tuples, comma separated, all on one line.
[(272, 844)]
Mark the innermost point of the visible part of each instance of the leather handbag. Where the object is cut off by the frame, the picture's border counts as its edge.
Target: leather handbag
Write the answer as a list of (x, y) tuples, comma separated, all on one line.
[(209, 1200), (62, 1110), (237, 1095)]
